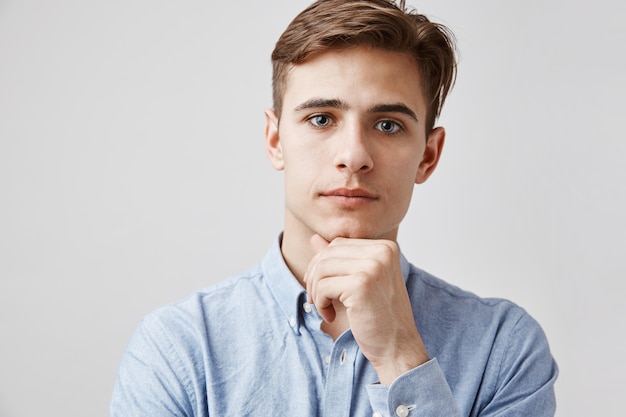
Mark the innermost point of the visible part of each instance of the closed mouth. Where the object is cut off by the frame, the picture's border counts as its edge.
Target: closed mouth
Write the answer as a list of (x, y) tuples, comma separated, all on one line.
[(356, 193)]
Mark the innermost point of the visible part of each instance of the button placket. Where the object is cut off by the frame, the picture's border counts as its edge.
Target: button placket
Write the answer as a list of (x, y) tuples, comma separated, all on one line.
[(340, 380)]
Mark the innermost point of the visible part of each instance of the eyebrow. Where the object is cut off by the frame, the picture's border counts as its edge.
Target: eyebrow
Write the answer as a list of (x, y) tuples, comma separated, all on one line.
[(394, 108), (315, 103), (334, 103)]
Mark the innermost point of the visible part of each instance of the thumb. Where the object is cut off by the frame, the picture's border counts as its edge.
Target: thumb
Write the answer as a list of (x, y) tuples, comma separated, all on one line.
[(318, 243)]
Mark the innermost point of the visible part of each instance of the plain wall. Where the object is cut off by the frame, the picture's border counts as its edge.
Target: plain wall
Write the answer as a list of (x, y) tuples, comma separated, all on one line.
[(133, 172)]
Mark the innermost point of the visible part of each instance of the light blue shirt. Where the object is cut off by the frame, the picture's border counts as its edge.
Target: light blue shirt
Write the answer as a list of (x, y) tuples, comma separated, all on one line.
[(252, 346)]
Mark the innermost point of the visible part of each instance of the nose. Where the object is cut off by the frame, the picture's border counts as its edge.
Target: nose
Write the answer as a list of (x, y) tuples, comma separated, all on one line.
[(352, 153)]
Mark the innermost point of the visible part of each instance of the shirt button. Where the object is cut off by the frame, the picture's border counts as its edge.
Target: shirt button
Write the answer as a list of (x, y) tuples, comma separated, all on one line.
[(307, 307), (292, 321), (377, 415), (402, 411), (327, 359)]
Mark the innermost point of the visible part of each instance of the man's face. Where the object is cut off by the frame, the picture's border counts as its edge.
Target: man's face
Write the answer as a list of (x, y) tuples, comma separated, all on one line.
[(352, 142)]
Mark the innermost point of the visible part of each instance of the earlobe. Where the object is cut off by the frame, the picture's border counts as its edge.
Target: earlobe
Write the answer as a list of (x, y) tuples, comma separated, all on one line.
[(431, 156), (272, 140)]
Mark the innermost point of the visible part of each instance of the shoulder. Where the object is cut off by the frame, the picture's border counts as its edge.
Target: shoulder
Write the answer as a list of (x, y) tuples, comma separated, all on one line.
[(213, 303), (494, 337), (438, 293), (183, 334), (440, 305), (169, 349), (499, 326)]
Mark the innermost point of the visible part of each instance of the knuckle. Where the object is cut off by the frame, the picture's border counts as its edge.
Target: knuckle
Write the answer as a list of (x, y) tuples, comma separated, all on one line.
[(367, 281), (389, 249)]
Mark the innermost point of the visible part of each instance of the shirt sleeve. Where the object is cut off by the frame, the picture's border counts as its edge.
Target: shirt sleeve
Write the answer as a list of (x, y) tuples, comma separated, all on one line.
[(421, 392), (152, 380), (527, 373), (522, 386)]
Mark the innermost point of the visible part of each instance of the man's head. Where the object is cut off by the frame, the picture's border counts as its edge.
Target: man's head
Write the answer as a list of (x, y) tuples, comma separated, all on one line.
[(357, 87), (341, 24)]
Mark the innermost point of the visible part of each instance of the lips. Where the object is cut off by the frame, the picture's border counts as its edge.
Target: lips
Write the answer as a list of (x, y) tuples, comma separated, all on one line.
[(349, 193), (349, 197)]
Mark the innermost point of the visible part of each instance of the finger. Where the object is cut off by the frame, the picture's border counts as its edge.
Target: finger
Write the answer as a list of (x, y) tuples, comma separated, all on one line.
[(344, 241), (328, 279), (318, 243), (350, 248), (326, 310), (384, 252), (332, 290), (328, 268), (344, 258)]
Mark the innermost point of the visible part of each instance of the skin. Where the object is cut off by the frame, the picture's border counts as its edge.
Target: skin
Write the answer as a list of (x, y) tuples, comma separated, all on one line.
[(352, 144)]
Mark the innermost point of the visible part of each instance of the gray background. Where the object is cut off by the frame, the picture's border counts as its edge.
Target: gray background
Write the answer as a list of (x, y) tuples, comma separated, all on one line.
[(132, 172)]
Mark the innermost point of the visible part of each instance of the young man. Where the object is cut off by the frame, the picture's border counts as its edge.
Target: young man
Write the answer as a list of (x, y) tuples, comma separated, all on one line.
[(335, 321)]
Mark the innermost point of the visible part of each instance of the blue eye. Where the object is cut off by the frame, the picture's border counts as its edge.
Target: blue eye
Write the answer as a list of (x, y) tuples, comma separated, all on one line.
[(320, 120), (388, 126)]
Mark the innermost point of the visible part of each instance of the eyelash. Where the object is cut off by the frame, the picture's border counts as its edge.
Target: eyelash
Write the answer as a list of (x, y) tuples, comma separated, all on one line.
[(312, 118), (398, 127)]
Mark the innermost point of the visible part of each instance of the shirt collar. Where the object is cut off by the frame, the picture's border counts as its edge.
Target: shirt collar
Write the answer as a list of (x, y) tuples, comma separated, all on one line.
[(283, 285), (286, 289)]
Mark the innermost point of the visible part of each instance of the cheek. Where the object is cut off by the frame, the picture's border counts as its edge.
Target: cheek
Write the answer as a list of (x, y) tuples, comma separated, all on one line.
[(401, 183), (299, 174), (403, 191), (400, 167), (302, 161)]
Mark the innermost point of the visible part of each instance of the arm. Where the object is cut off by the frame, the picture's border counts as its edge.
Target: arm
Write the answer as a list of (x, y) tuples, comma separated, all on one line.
[(423, 391), (152, 379), (355, 275), (524, 385), (520, 383), (363, 280)]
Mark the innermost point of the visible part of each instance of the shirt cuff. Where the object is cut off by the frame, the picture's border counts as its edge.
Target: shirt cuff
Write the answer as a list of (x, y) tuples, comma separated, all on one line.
[(421, 392)]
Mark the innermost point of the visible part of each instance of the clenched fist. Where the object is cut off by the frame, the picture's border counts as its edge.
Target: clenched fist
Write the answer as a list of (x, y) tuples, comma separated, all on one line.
[(360, 281)]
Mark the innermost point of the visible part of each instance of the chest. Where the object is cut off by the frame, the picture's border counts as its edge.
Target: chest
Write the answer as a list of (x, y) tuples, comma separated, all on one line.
[(305, 374)]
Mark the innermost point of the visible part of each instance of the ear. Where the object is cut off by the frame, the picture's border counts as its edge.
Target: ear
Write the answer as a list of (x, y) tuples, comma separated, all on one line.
[(432, 153), (272, 140)]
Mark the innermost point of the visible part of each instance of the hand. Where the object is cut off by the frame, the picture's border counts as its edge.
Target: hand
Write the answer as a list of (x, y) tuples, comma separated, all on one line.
[(365, 277)]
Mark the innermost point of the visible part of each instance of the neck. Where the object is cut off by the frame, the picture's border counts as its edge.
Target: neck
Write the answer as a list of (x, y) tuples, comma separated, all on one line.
[(297, 253)]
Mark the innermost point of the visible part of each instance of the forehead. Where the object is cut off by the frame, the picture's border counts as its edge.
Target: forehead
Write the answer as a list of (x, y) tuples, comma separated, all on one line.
[(359, 76)]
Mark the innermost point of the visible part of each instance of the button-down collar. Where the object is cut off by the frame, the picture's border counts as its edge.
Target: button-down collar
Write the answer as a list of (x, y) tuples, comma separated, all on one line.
[(284, 286)]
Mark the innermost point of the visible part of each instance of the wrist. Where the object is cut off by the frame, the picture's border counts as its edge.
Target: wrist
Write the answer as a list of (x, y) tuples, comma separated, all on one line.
[(390, 370)]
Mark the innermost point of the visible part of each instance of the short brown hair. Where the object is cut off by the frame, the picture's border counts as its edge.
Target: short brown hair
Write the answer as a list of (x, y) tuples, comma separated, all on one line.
[(337, 24)]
